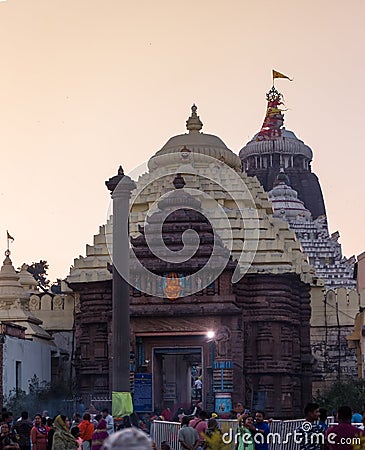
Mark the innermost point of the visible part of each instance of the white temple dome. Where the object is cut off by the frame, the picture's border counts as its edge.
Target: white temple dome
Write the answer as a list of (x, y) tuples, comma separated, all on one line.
[(285, 201), (194, 142)]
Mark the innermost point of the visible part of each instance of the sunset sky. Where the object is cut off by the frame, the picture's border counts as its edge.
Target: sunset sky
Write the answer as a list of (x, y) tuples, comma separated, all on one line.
[(87, 85)]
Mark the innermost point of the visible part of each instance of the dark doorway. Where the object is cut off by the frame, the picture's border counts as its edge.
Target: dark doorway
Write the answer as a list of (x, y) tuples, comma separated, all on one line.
[(174, 371)]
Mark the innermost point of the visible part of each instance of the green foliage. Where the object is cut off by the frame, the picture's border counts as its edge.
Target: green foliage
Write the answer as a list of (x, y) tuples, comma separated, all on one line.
[(39, 272), (350, 392), (41, 396)]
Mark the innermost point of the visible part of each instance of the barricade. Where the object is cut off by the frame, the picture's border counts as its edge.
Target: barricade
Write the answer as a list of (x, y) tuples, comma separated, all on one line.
[(281, 433)]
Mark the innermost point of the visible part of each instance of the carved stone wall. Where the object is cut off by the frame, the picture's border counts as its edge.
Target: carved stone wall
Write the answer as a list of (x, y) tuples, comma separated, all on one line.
[(263, 323), (276, 342), (92, 338)]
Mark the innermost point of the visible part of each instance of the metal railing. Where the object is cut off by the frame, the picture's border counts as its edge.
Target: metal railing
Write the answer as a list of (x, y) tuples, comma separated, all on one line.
[(281, 433)]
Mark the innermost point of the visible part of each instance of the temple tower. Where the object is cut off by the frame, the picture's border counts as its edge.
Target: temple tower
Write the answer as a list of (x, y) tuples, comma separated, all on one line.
[(273, 148)]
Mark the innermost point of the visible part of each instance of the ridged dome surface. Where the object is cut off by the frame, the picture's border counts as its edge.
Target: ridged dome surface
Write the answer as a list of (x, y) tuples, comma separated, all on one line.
[(288, 143)]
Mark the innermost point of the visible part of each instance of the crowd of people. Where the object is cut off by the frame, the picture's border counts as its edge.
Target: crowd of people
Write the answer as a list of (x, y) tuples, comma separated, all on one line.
[(58, 433), (199, 431)]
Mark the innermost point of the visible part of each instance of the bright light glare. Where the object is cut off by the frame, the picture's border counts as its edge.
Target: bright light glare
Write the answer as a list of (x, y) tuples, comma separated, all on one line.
[(210, 334)]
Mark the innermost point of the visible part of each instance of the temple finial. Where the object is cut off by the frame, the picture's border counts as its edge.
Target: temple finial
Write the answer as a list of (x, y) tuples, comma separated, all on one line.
[(274, 118), (194, 123), (282, 178)]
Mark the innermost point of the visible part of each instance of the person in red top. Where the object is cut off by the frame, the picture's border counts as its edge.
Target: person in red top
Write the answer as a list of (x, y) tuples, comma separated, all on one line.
[(343, 435), (38, 434), (200, 424), (86, 431)]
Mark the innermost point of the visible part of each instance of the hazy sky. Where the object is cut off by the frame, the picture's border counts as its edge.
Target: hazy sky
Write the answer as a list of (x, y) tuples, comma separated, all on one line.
[(87, 85)]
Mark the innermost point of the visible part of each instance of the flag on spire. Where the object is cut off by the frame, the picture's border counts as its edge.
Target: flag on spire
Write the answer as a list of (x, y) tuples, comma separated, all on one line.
[(276, 74), (10, 238)]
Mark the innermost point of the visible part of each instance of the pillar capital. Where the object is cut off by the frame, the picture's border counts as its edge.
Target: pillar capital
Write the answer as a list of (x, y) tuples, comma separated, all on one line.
[(120, 185)]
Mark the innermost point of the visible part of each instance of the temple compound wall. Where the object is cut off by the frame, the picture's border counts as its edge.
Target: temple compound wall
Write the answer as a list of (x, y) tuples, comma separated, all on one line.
[(332, 322), (57, 315)]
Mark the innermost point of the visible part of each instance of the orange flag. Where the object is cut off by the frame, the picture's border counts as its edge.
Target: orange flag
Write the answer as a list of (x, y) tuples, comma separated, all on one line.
[(276, 74), (10, 238)]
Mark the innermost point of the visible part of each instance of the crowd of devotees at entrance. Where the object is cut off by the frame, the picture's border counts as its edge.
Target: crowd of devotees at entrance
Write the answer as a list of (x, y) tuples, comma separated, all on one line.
[(195, 430)]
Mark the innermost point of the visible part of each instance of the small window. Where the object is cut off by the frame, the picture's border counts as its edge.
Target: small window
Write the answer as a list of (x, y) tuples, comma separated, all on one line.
[(18, 376)]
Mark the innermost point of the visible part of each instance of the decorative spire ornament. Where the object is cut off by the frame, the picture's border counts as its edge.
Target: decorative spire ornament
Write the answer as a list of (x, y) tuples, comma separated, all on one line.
[(194, 124)]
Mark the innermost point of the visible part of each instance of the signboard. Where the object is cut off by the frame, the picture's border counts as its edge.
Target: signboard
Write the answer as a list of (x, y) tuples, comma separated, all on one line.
[(142, 398)]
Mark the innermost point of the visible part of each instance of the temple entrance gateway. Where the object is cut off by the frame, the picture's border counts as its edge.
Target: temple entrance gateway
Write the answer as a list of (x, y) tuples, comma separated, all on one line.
[(174, 372)]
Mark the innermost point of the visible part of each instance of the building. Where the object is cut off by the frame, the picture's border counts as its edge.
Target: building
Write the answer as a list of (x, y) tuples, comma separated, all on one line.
[(36, 331), (274, 148), (261, 350), (25, 346), (282, 163), (356, 339)]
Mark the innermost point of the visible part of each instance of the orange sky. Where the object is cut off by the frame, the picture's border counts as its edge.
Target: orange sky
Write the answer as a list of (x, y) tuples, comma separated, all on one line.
[(86, 85)]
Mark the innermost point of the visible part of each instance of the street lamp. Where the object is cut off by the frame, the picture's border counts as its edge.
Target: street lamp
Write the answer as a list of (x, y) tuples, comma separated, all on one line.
[(210, 334)]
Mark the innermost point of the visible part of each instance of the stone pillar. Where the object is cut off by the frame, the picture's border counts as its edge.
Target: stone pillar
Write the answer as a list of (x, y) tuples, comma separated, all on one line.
[(120, 187)]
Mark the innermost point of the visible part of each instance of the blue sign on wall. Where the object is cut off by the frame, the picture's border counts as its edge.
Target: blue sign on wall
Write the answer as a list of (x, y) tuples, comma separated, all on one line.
[(142, 398)]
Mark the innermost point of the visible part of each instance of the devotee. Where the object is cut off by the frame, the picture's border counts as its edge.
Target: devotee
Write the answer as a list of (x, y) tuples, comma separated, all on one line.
[(86, 431), (99, 435), (23, 427), (7, 440), (200, 424), (246, 431), (310, 435), (262, 430), (213, 435), (188, 436), (341, 435), (62, 438), (109, 421), (38, 434), (75, 431)]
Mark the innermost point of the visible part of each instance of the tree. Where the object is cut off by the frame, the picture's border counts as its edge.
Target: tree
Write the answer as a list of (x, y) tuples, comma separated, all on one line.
[(56, 398), (350, 392), (39, 272)]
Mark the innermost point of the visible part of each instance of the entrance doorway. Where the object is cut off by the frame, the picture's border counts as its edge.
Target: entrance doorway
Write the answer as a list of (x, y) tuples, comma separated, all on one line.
[(174, 373)]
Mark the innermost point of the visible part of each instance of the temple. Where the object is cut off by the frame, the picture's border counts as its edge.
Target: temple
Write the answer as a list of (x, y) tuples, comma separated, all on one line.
[(273, 148), (281, 162), (261, 352)]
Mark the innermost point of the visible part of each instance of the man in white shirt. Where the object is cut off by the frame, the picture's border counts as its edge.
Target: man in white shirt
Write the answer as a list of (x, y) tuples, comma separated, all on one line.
[(109, 421)]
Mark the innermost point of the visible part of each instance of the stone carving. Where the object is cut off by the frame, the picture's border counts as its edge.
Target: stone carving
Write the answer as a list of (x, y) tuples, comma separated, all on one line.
[(222, 342), (3, 304), (57, 302), (34, 303)]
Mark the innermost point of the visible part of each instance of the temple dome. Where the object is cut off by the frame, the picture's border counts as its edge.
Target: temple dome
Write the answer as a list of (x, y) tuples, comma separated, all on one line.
[(288, 143), (27, 280), (177, 148), (285, 201)]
